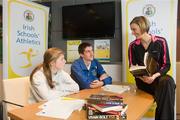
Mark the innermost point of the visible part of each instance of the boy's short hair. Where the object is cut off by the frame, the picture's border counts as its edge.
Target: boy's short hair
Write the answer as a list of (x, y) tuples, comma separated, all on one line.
[(83, 46)]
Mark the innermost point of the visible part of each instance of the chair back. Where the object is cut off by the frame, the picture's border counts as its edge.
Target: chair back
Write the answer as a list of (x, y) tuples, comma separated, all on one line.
[(17, 90)]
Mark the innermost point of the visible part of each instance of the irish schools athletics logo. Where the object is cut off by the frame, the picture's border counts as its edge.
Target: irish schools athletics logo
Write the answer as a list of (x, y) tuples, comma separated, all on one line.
[(149, 10), (28, 15)]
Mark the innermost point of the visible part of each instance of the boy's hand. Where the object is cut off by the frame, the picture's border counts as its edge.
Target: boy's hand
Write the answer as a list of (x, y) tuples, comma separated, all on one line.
[(96, 84)]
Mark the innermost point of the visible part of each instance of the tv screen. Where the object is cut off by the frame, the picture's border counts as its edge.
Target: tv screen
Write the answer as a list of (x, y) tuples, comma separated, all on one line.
[(95, 20)]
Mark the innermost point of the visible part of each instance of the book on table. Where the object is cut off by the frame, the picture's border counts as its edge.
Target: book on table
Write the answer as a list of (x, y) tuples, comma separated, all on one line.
[(106, 107), (105, 99), (109, 107), (150, 66), (94, 114)]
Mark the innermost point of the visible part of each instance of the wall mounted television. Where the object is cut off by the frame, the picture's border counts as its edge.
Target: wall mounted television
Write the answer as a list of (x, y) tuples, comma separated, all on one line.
[(89, 21)]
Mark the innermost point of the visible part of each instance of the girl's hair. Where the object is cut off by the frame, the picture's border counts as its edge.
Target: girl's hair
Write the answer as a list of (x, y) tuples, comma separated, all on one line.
[(51, 55), (142, 22)]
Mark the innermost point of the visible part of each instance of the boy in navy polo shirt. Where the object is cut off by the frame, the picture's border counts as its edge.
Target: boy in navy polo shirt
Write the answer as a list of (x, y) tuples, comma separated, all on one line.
[(87, 71)]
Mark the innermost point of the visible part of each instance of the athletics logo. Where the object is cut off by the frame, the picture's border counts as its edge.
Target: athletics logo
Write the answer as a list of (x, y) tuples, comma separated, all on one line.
[(29, 54), (149, 10), (28, 15)]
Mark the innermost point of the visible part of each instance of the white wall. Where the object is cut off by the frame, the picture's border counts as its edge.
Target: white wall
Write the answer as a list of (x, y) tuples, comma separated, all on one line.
[(114, 70)]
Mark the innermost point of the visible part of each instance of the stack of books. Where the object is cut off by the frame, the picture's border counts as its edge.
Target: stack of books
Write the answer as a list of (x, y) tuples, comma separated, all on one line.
[(106, 107)]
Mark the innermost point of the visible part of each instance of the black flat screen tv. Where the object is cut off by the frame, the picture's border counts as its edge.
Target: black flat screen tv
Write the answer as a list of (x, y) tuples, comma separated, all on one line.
[(96, 20)]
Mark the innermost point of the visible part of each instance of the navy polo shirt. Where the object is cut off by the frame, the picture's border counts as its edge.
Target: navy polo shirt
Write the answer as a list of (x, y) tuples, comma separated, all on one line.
[(84, 77)]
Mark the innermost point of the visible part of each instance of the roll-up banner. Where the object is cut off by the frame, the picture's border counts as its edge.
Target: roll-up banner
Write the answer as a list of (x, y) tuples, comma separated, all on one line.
[(25, 36)]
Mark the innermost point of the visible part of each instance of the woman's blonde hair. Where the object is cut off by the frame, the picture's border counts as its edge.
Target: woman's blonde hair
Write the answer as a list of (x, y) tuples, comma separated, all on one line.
[(51, 55), (142, 22)]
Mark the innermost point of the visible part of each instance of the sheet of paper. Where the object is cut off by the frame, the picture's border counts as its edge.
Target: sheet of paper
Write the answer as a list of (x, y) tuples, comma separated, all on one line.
[(56, 112), (60, 108)]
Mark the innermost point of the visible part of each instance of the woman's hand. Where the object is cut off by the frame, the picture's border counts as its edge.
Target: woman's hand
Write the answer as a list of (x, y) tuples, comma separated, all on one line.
[(149, 79)]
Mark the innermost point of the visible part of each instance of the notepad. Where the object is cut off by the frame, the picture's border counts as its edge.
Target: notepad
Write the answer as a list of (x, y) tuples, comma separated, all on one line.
[(116, 88)]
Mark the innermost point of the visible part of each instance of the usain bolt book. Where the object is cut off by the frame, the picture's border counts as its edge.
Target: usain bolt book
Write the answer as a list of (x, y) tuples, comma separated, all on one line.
[(150, 66)]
